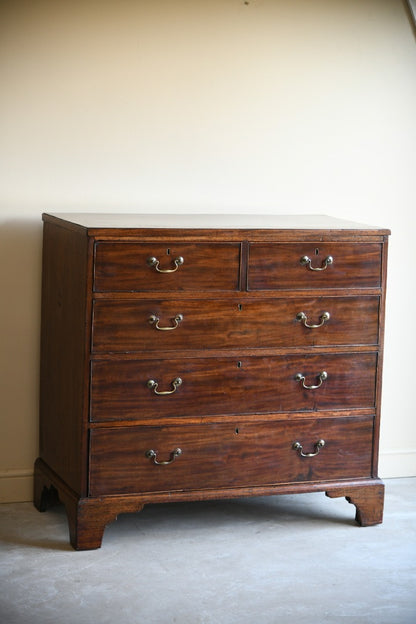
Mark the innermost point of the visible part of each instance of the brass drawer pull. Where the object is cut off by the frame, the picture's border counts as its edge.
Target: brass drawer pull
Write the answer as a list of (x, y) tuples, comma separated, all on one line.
[(302, 318), (154, 320), (154, 262), (297, 446), (305, 260), (322, 377), (151, 454), (152, 384)]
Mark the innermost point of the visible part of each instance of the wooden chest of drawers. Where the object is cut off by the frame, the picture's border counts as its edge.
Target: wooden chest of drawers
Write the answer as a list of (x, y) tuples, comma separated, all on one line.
[(196, 357)]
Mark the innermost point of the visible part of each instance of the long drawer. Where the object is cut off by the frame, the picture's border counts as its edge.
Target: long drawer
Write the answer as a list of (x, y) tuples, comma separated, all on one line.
[(122, 460), (308, 265), (149, 325), (128, 389), (162, 267)]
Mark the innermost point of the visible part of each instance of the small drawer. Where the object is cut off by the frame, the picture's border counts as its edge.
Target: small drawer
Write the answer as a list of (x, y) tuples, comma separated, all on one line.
[(160, 267), (124, 389), (128, 460), (152, 325), (309, 265)]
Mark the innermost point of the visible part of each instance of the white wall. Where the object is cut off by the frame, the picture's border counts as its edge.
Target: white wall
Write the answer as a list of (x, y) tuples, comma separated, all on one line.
[(273, 106)]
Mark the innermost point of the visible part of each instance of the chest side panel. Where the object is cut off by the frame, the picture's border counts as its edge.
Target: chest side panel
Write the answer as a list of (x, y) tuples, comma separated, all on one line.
[(64, 354)]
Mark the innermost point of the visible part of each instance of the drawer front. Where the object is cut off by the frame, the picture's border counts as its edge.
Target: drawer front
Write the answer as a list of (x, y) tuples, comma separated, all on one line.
[(126, 389), (162, 267), (310, 265), (151, 325), (228, 455)]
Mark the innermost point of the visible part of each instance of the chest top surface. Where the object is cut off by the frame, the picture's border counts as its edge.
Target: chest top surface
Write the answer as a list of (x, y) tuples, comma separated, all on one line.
[(234, 222)]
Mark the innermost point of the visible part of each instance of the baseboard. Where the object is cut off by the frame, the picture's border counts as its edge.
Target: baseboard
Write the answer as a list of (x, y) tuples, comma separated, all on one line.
[(16, 486), (394, 464)]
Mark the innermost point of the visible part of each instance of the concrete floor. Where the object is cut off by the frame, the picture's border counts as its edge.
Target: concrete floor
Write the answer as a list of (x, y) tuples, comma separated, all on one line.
[(270, 560)]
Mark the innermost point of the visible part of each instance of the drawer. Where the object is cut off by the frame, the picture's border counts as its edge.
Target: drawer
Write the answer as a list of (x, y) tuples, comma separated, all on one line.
[(160, 267), (122, 460), (152, 325), (313, 265), (125, 389)]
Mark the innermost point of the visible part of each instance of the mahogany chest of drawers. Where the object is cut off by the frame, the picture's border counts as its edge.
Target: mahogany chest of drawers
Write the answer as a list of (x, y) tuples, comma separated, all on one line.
[(196, 357)]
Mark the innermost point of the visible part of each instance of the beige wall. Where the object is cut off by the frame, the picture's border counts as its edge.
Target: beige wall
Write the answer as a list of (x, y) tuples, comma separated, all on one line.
[(272, 106)]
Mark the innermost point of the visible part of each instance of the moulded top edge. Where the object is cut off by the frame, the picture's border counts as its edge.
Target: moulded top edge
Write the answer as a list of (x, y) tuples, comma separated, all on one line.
[(209, 221)]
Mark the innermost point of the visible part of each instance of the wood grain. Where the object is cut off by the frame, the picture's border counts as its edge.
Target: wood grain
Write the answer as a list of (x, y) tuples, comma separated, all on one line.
[(248, 385), (124, 326), (277, 266), (233, 454), (237, 349), (124, 266)]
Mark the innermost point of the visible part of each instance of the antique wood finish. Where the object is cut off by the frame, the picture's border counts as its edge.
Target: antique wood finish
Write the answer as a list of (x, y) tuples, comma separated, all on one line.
[(64, 355), (126, 266), (129, 325), (369, 502), (215, 336), (277, 266), (250, 385), (227, 455)]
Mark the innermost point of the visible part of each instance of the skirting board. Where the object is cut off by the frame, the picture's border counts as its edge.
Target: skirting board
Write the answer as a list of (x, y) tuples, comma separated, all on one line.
[(396, 464), (16, 486)]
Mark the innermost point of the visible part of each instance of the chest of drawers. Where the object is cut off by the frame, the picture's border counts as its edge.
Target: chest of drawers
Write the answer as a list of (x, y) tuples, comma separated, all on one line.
[(196, 357)]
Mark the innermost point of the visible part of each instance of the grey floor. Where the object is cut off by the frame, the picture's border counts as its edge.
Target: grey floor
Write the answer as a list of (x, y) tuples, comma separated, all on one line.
[(270, 560)]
